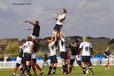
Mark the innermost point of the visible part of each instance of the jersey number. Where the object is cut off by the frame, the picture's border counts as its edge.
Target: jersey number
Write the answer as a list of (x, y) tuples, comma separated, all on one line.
[(86, 48)]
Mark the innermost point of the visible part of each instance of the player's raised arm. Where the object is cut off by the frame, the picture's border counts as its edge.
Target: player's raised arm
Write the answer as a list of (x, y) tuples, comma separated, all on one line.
[(61, 35), (74, 45), (57, 18), (30, 29), (80, 48), (55, 39), (31, 47), (91, 51), (30, 22)]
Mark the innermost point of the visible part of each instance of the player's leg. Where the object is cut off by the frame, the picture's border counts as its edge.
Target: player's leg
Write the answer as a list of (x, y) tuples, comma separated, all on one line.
[(64, 62), (55, 64), (107, 63), (54, 68), (51, 65), (17, 65), (38, 67), (50, 69), (66, 66), (63, 65), (84, 60), (71, 65), (15, 69), (78, 60), (84, 67), (90, 68), (89, 64), (33, 67), (28, 67), (28, 63), (23, 65)]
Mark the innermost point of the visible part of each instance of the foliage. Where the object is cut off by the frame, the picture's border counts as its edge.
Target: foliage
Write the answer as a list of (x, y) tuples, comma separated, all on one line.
[(12, 48), (111, 41)]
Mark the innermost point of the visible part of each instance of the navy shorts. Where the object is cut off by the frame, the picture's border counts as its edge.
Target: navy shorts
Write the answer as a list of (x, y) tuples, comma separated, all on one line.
[(57, 27), (53, 59), (27, 56), (64, 55), (85, 58)]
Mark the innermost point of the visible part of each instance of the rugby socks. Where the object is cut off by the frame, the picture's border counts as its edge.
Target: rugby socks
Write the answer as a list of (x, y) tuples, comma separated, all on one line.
[(34, 69), (15, 69), (28, 69), (38, 67), (23, 70), (84, 70), (50, 69), (20, 70), (64, 69), (54, 70), (107, 65), (70, 69), (90, 68)]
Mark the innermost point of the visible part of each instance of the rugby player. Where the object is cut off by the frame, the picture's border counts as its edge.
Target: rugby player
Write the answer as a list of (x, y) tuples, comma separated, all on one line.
[(19, 58), (53, 59), (59, 22), (28, 50), (74, 54), (86, 47), (107, 54), (63, 54), (36, 29), (34, 56)]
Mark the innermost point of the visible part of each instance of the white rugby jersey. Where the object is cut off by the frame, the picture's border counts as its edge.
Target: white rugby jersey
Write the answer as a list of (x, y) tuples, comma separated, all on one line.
[(52, 49), (62, 16), (26, 47), (62, 45), (85, 46)]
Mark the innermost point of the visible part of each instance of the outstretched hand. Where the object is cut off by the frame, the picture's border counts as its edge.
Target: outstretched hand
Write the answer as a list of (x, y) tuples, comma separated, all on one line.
[(29, 29), (55, 15), (26, 21)]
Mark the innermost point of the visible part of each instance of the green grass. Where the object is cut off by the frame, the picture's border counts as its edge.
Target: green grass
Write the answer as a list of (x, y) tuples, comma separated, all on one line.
[(77, 71)]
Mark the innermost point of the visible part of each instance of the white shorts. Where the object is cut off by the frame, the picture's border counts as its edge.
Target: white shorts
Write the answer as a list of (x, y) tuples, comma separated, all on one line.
[(75, 57), (18, 60), (34, 37), (106, 58), (34, 55)]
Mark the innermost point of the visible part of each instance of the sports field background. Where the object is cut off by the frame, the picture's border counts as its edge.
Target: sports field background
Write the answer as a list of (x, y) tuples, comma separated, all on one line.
[(77, 71)]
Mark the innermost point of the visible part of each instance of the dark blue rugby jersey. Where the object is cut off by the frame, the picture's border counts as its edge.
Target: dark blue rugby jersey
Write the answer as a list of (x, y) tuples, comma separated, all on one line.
[(21, 53), (107, 52)]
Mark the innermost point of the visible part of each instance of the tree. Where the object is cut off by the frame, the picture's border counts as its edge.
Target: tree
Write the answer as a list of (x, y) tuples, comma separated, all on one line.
[(12, 48), (111, 42), (97, 49)]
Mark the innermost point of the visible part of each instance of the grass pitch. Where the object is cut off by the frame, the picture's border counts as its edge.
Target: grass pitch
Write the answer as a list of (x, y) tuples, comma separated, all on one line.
[(77, 71)]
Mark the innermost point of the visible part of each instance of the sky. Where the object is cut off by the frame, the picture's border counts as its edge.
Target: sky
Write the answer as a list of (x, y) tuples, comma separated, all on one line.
[(84, 18)]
